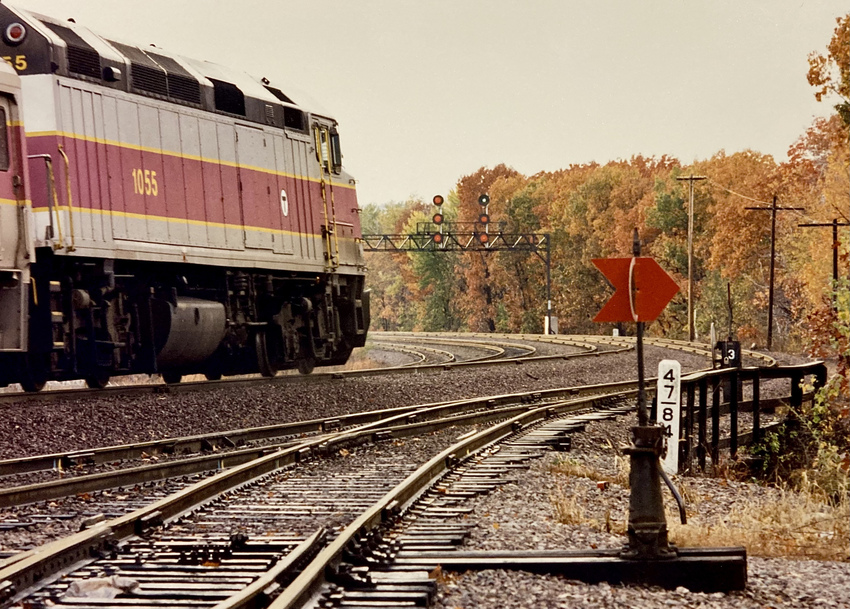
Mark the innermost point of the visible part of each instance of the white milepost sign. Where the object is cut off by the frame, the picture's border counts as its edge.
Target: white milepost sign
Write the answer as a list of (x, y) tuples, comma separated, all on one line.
[(669, 411)]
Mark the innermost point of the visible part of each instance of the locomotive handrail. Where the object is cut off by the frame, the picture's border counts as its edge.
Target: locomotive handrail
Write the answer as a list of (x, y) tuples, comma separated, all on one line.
[(52, 198), (329, 232), (71, 247)]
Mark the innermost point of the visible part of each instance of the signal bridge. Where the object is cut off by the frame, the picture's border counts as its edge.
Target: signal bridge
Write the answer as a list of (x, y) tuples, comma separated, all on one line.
[(479, 236)]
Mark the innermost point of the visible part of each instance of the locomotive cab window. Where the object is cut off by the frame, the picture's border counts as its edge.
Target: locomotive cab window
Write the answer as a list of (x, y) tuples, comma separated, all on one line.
[(336, 152), (4, 141), (328, 152), (321, 134)]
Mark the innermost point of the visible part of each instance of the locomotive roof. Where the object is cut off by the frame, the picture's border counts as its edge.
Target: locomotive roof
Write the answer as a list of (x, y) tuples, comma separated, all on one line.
[(68, 49)]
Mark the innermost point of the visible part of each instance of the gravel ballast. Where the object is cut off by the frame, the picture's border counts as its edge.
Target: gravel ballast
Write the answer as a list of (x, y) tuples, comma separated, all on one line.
[(521, 515), (525, 521)]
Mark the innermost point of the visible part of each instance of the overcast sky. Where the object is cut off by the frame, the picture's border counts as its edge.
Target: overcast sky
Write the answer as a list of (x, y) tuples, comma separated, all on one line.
[(428, 91)]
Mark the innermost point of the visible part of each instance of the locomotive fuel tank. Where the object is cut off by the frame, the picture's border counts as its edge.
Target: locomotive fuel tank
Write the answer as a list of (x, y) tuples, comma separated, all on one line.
[(189, 331)]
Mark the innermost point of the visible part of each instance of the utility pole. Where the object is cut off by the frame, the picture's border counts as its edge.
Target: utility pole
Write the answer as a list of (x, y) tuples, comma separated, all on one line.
[(772, 209), (834, 224), (690, 180)]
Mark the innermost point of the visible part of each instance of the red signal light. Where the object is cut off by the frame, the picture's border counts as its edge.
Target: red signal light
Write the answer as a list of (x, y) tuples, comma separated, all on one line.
[(483, 238), (484, 219), (438, 218), (15, 33), (437, 238), (438, 200)]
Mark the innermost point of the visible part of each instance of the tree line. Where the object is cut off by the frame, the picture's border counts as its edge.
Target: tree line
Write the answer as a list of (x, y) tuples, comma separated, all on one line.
[(590, 211)]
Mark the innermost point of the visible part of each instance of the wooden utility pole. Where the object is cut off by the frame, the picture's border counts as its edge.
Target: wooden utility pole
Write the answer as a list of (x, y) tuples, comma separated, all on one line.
[(834, 224), (690, 180), (772, 209)]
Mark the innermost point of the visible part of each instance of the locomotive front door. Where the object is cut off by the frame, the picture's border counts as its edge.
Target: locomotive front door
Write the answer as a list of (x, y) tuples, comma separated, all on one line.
[(15, 241)]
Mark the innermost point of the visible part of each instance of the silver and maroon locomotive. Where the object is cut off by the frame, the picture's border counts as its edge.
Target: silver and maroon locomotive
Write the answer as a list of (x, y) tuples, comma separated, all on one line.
[(164, 215)]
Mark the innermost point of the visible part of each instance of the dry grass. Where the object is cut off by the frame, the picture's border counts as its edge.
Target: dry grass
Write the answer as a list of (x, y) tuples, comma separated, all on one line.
[(812, 521), (573, 467), (796, 524), (570, 510)]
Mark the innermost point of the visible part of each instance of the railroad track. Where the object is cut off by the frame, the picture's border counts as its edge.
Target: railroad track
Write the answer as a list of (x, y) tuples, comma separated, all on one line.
[(178, 550), (217, 451), (496, 355)]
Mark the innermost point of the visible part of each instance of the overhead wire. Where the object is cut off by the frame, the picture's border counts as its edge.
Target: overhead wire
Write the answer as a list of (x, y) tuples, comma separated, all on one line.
[(799, 213)]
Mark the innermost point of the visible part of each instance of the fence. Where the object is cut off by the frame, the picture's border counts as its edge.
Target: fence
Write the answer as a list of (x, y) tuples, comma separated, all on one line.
[(695, 444)]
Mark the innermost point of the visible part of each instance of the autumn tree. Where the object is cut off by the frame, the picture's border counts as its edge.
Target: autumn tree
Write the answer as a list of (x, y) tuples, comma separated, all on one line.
[(479, 300)]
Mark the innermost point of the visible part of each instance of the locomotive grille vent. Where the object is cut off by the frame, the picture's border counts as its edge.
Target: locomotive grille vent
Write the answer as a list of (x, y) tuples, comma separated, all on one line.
[(149, 79), (293, 118), (181, 84), (145, 75), (82, 58)]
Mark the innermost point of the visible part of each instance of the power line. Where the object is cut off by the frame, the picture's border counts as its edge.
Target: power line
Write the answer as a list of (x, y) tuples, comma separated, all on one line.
[(737, 194), (772, 209)]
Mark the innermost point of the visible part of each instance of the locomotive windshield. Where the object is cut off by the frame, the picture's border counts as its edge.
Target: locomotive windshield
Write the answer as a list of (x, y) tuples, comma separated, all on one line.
[(4, 141)]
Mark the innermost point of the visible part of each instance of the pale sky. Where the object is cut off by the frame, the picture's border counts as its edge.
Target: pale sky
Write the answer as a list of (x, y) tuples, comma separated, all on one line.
[(427, 91)]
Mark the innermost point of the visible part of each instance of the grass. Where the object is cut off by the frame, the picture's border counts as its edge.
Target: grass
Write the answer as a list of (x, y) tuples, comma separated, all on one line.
[(810, 521), (573, 467), (798, 524)]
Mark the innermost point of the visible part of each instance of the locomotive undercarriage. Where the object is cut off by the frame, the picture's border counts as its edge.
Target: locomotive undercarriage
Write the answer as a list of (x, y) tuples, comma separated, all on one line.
[(95, 319)]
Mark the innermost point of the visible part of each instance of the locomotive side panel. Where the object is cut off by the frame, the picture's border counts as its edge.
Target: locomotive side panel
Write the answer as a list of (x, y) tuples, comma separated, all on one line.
[(147, 176), (200, 233), (213, 199), (130, 156), (145, 173), (283, 242), (171, 185), (256, 161), (234, 225), (86, 195), (303, 207), (113, 171)]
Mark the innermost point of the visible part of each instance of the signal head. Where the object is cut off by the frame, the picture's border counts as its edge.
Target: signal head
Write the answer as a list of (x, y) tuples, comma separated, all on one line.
[(484, 200), (437, 218), (484, 218), (438, 200), (483, 238), (437, 238)]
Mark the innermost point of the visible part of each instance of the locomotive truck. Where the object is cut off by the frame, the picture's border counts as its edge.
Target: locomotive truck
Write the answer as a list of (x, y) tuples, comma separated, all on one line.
[(160, 214)]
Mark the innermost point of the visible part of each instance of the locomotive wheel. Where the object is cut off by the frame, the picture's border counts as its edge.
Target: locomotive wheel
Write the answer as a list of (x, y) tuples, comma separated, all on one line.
[(306, 365), (97, 381), (264, 364), (171, 378), (212, 376), (31, 386), (34, 373)]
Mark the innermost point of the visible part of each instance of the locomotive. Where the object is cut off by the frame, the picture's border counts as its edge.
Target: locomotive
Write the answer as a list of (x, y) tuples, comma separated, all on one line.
[(160, 214)]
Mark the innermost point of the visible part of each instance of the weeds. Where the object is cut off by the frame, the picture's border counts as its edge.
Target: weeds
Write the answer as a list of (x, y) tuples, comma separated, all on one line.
[(797, 524), (573, 467)]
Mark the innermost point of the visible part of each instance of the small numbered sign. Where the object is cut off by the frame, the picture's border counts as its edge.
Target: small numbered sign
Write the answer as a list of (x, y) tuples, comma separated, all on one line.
[(669, 409), (730, 353)]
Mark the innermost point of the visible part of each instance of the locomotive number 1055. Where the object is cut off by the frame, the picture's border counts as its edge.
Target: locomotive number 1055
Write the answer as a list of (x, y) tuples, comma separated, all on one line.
[(144, 182)]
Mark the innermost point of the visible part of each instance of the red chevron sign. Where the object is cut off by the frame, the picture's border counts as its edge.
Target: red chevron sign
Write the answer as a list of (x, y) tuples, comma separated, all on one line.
[(651, 289)]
